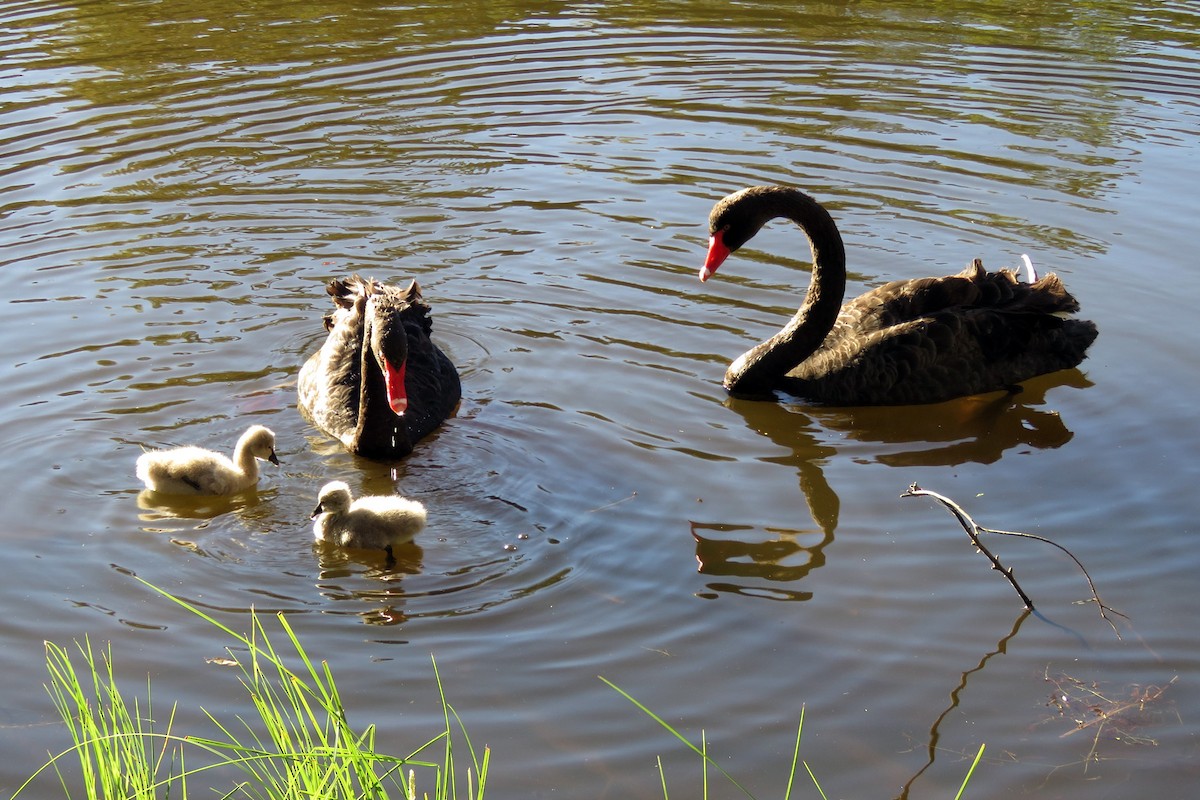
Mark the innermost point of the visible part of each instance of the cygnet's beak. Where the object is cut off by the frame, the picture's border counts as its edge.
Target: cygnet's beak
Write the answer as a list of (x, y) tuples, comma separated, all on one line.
[(318, 511), (274, 459)]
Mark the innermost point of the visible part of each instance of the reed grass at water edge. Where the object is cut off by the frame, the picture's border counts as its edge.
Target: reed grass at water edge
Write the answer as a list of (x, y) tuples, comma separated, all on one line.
[(300, 745)]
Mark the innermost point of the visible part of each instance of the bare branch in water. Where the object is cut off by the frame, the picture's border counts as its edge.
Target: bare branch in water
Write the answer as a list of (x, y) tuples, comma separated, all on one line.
[(973, 530)]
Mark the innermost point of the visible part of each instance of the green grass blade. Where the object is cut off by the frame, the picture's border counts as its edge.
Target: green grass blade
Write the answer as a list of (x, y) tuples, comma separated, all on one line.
[(666, 726), (814, 780), (795, 757), (970, 772)]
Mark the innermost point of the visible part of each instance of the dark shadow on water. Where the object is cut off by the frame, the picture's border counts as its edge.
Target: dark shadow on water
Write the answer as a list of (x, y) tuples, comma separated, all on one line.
[(979, 429), (1074, 634), (787, 557), (1001, 647), (955, 693)]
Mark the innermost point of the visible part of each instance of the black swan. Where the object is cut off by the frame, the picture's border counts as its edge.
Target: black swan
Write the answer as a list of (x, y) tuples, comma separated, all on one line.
[(378, 383), (909, 341), (194, 470)]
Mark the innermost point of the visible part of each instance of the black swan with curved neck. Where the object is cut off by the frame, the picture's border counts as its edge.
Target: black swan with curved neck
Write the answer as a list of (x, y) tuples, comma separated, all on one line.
[(378, 383), (909, 341)]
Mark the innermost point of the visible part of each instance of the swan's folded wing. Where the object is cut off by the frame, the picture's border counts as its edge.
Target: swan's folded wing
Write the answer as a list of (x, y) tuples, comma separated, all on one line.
[(328, 385)]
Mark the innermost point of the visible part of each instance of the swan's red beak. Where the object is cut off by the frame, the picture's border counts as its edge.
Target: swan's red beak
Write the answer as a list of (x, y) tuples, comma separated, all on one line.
[(717, 253), (394, 380)]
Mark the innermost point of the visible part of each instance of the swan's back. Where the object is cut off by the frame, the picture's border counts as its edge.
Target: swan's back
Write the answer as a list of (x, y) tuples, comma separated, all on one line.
[(933, 339), (394, 519), (186, 470)]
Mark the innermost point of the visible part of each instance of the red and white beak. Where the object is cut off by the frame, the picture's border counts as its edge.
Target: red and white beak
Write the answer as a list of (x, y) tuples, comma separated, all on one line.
[(717, 253), (394, 380)]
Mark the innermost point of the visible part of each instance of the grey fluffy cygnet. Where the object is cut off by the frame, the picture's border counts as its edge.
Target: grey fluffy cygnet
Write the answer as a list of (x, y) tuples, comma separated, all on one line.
[(194, 470), (375, 521)]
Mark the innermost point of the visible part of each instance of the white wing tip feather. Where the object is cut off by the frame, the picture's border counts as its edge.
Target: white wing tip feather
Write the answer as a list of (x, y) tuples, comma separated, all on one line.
[(1031, 275)]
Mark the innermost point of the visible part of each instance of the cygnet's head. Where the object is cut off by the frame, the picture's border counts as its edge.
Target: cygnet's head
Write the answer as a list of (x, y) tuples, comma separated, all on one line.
[(259, 440), (334, 497)]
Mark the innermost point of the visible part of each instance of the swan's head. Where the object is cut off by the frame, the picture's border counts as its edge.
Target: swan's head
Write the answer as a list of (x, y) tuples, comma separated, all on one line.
[(389, 346), (259, 440), (334, 498), (738, 217)]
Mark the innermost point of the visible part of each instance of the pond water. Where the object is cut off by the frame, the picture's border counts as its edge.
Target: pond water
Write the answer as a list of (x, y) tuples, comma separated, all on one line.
[(178, 181)]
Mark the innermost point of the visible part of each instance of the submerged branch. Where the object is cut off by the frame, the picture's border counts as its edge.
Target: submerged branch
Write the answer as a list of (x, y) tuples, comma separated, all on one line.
[(973, 530)]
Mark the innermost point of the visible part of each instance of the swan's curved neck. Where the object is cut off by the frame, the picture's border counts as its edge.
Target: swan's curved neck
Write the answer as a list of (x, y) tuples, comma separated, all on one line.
[(245, 460), (759, 369), (380, 431)]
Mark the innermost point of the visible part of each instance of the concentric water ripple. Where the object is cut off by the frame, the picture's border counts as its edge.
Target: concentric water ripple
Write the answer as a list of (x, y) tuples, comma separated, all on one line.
[(205, 197)]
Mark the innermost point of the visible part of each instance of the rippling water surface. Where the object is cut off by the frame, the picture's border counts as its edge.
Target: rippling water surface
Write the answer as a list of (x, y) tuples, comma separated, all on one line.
[(178, 180)]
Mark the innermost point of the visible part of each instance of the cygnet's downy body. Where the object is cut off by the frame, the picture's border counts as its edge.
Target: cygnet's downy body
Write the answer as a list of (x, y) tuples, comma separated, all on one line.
[(194, 470), (373, 522)]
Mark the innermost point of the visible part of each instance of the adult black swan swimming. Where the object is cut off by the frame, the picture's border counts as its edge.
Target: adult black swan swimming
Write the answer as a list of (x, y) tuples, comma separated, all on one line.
[(378, 383), (908, 341)]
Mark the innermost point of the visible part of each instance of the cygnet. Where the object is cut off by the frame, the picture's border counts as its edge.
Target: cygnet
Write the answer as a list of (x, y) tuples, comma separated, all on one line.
[(194, 470), (376, 521)]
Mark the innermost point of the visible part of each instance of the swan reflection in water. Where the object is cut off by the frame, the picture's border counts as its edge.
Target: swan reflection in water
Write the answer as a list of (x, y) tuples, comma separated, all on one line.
[(381, 598), (187, 519), (159, 506), (977, 429), (191, 521)]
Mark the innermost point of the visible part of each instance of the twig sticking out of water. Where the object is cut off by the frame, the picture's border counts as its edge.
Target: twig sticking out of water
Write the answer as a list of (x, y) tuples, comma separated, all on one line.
[(973, 530)]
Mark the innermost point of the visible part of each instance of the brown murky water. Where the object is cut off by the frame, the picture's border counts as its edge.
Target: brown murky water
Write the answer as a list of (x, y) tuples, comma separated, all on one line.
[(179, 179)]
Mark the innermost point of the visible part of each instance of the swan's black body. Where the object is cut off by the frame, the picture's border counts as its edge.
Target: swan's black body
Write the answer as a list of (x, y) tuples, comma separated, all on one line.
[(378, 383)]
